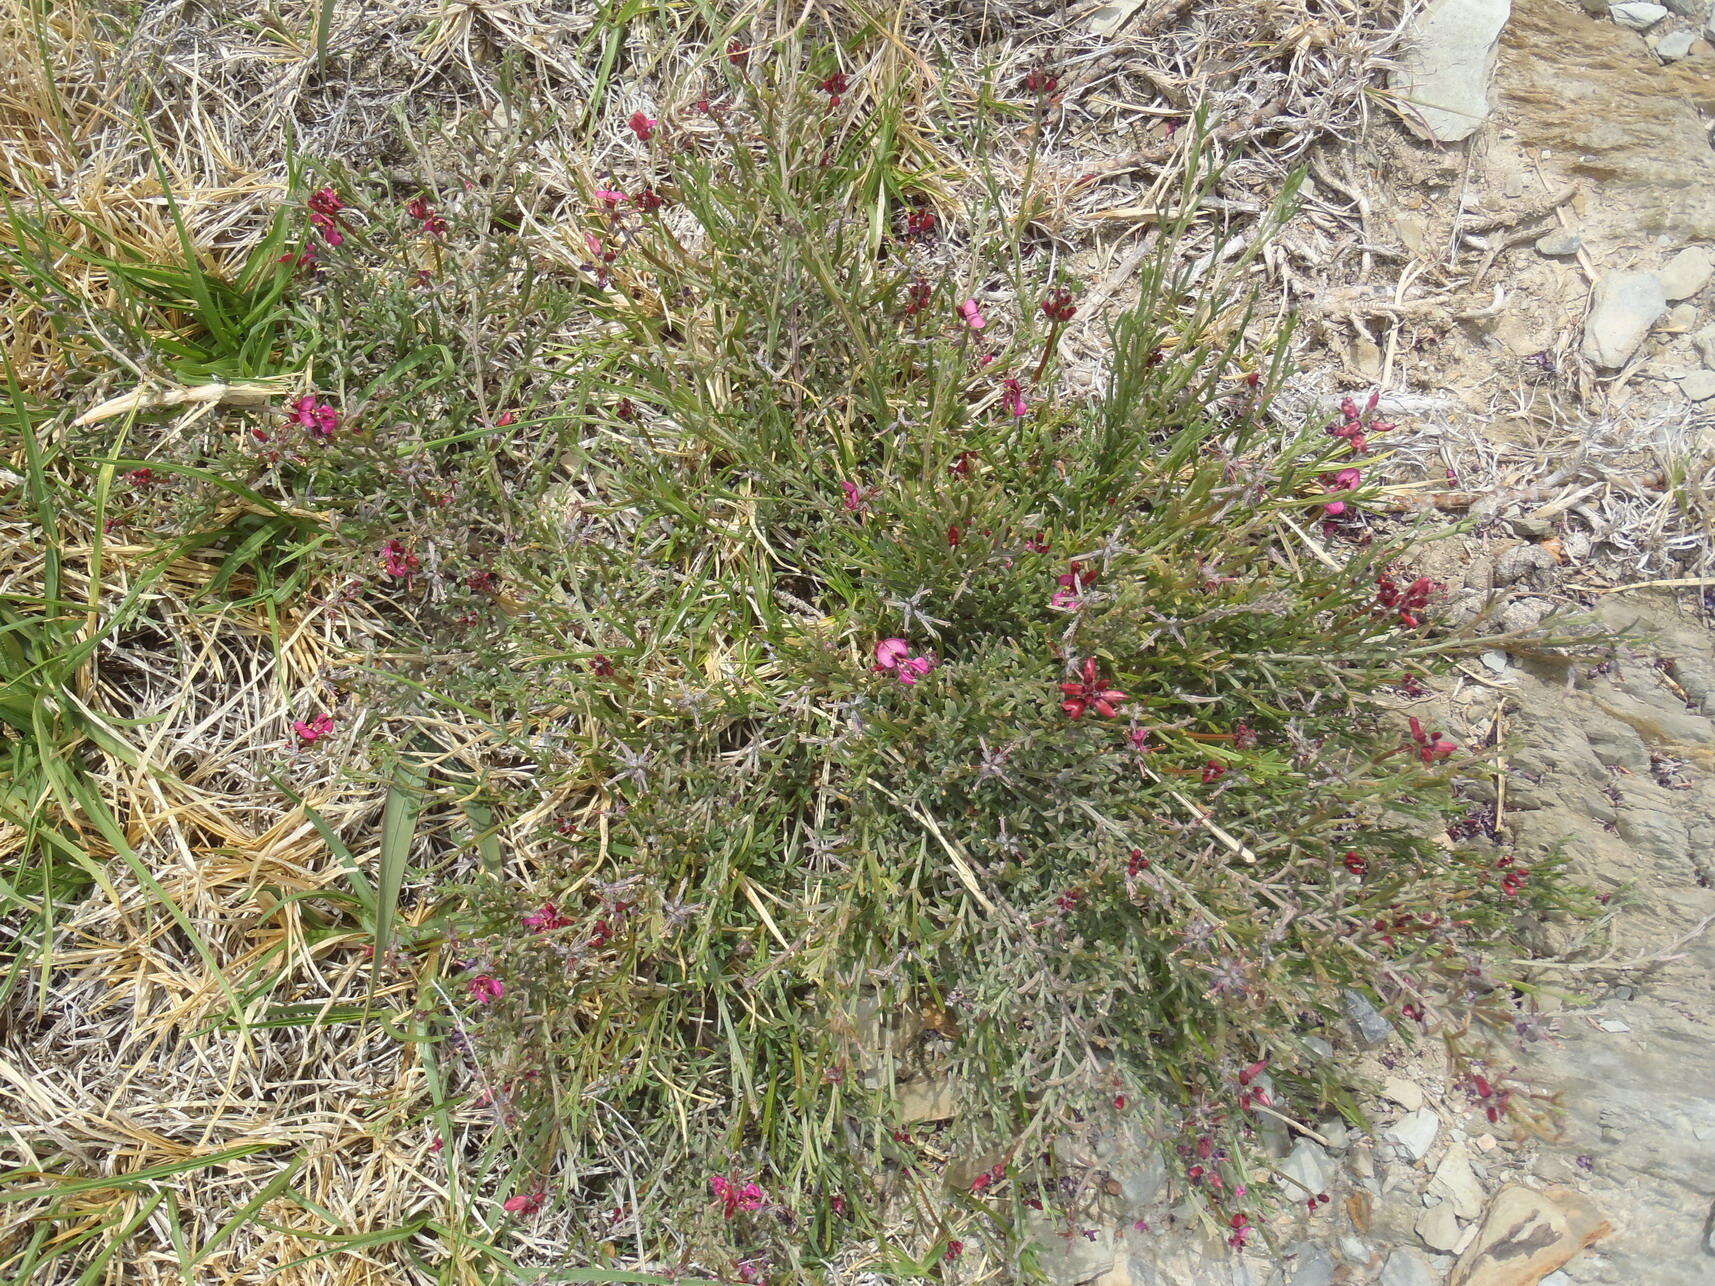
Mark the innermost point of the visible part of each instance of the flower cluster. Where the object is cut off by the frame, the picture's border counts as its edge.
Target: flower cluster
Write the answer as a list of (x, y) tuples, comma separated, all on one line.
[(310, 731), (431, 223), (317, 418), (1087, 692), (736, 1194), (325, 208), (1408, 602), (893, 656)]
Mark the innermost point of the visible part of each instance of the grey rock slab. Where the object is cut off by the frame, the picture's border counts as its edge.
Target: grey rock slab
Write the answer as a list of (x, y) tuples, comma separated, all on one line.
[(1314, 1266), (1438, 1228), (1367, 1022), (1674, 46), (1443, 76), (1308, 1166), (1639, 15), (1688, 271), (1626, 305), (1457, 1182), (1416, 1132), (1408, 1267), (1699, 386)]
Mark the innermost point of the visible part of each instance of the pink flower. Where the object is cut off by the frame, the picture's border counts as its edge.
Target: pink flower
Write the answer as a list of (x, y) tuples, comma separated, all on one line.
[(856, 498), (546, 918), (1088, 693), (913, 668), (890, 652), (485, 989), (320, 419), (735, 1196), (895, 655), (397, 562), (524, 1203), (643, 126), (1431, 746), (313, 731), (424, 214), (971, 315), (1012, 397), (609, 197)]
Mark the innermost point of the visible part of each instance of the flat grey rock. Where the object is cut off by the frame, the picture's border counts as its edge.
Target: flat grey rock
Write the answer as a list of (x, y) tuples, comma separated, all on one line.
[(1699, 386), (1626, 305), (1637, 14), (1443, 76), (1408, 1267), (1686, 273), (1675, 45), (1416, 1132)]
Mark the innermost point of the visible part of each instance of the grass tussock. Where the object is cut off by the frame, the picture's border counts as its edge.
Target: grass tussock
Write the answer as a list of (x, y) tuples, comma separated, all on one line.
[(624, 686)]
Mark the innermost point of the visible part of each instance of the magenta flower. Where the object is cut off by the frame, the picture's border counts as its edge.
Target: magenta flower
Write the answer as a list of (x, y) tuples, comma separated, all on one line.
[(485, 989), (398, 562), (1087, 693), (1408, 602), (894, 656), (890, 652), (313, 731), (735, 1195), (971, 315), (424, 214), (524, 1203), (610, 197), (856, 499), (1012, 397), (643, 126), (1057, 306), (546, 918), (319, 419), (325, 206), (1431, 746)]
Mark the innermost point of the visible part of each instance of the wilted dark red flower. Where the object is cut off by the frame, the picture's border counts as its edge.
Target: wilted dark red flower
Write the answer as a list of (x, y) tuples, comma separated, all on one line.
[(1087, 692), (1057, 306)]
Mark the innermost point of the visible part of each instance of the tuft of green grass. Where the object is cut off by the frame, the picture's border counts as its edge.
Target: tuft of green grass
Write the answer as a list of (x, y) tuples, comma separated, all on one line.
[(800, 667)]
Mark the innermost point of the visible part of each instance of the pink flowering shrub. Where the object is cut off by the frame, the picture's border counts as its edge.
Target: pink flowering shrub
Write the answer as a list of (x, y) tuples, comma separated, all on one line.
[(1026, 711), (823, 691)]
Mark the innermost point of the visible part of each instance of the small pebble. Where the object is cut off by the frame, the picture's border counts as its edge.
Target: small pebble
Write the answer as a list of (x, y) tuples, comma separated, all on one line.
[(1556, 244)]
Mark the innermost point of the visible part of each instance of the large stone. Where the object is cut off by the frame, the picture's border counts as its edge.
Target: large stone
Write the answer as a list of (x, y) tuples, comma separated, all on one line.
[(1675, 45), (1639, 15), (1068, 1256), (1686, 273), (1442, 81), (1308, 1168), (1527, 1235), (1455, 1180), (1408, 1267), (1438, 1228), (1416, 1132), (1626, 305), (1368, 1024)]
